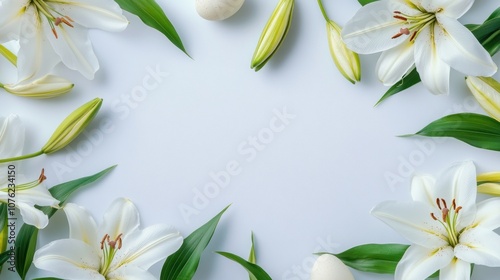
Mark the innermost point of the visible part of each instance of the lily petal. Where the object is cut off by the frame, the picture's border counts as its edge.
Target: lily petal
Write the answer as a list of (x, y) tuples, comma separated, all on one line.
[(38, 195), (413, 221), (101, 14), (422, 189), (130, 273), (10, 22), (457, 269), (394, 63), (373, 26), (81, 225), (74, 47), (456, 9), (419, 262), (32, 216), (487, 214), (36, 57), (12, 133), (459, 182), (146, 247), (434, 73), (480, 246), (69, 258), (121, 217), (460, 49)]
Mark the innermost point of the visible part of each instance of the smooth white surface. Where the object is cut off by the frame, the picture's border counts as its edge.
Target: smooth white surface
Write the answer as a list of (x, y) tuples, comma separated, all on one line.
[(309, 189)]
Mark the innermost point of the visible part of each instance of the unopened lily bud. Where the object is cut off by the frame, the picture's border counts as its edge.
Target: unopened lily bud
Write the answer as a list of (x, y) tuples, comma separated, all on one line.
[(273, 34), (486, 90), (489, 183), (46, 87), (346, 60), (72, 126)]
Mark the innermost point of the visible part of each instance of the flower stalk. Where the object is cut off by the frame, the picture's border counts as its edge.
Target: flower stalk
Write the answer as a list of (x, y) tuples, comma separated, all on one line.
[(67, 131)]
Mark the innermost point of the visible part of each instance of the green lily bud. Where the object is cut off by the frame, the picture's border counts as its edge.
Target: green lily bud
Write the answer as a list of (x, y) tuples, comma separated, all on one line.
[(273, 34), (46, 87), (346, 60), (489, 183), (486, 90), (72, 126)]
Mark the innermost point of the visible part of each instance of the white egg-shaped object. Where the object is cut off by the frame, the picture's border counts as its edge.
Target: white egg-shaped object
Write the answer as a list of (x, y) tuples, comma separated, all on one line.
[(329, 267), (217, 9)]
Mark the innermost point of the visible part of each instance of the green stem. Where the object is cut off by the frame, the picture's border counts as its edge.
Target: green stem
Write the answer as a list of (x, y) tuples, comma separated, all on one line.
[(21, 157), (12, 58), (323, 10)]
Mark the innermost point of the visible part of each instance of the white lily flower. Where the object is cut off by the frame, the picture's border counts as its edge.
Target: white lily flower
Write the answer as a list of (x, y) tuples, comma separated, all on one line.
[(421, 33), (50, 31), (448, 230), (26, 195), (115, 250)]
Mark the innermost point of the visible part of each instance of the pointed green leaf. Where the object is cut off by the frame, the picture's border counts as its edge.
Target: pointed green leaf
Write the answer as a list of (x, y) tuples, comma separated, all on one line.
[(474, 129), (63, 191), (377, 258), (495, 14), (408, 81), (182, 265), (25, 249), (4, 257), (152, 15), (252, 258), (364, 2), (254, 270), (27, 237)]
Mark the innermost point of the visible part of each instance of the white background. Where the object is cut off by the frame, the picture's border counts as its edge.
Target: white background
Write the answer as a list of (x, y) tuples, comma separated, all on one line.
[(310, 189)]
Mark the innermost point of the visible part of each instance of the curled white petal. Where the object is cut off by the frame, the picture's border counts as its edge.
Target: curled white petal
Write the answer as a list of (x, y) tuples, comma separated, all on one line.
[(419, 262), (393, 64), (81, 225)]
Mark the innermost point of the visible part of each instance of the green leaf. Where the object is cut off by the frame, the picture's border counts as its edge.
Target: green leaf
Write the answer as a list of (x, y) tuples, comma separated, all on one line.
[(364, 2), (152, 15), (474, 129), (377, 258), (25, 249), (4, 257), (63, 191), (252, 258), (182, 264), (48, 278), (495, 14), (254, 270), (27, 237), (408, 81)]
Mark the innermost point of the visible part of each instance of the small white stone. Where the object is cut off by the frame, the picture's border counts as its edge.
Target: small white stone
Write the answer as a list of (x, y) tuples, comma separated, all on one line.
[(329, 267), (217, 9)]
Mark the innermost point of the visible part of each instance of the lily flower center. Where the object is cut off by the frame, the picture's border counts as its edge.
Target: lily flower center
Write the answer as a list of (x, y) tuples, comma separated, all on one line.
[(109, 248), (448, 219), (54, 18), (414, 23)]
